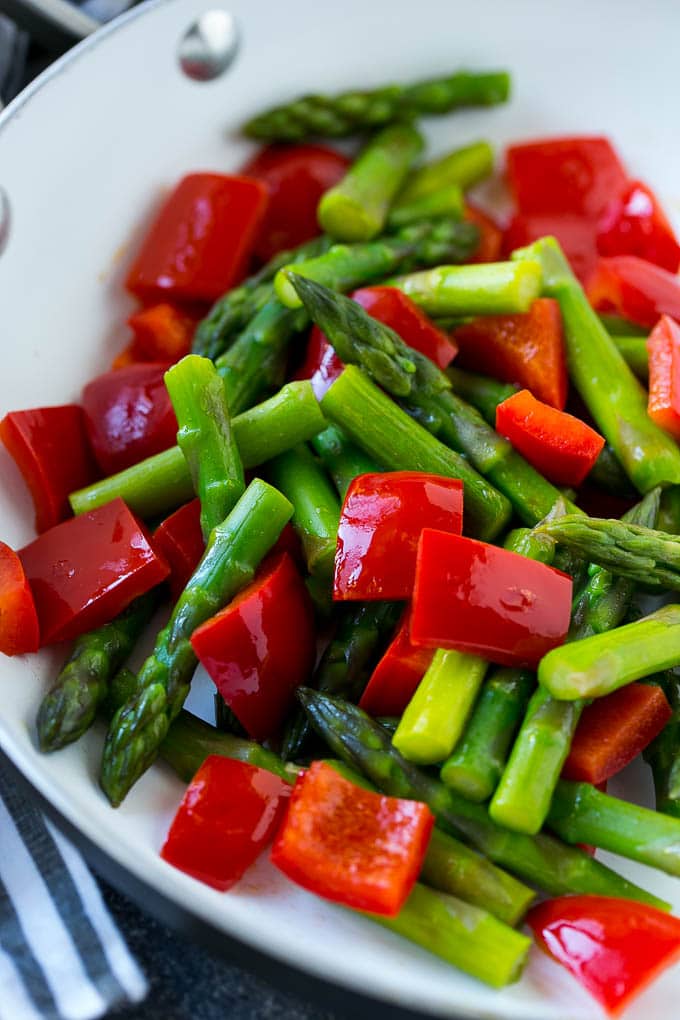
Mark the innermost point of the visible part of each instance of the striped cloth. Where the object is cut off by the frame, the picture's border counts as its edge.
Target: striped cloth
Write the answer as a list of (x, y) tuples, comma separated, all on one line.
[(61, 955)]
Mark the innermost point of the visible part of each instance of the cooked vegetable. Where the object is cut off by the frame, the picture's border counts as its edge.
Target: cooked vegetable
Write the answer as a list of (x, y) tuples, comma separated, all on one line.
[(663, 346), (482, 392), (396, 677), (19, 628), (349, 112), (496, 288), (635, 289), (445, 203), (634, 223), (161, 332), (460, 168), (634, 352), (389, 306), (663, 755), (343, 460), (180, 542)]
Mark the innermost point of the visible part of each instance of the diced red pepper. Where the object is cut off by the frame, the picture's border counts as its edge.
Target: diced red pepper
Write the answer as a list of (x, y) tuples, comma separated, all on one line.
[(321, 366), (663, 347), (229, 813), (19, 631), (560, 446), (389, 306), (162, 332), (634, 223), (179, 540), (87, 570), (527, 349), (128, 356), (200, 243), (261, 647), (485, 600), (380, 524), (637, 290), (350, 845), (289, 542), (615, 729), (50, 447), (577, 236), (577, 175), (614, 948), (490, 235), (296, 177), (129, 416), (396, 677)]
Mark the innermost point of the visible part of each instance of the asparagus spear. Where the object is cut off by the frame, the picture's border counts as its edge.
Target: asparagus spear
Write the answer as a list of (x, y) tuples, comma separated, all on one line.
[(316, 510), (234, 551), (669, 511), (343, 460), (70, 708), (541, 860), (356, 208), (347, 663), (346, 266), (205, 437), (426, 392), (604, 662), (613, 395), (633, 350), (446, 202), (663, 754), (349, 112), (630, 550), (476, 765), (524, 793), (163, 481), (438, 711), (580, 813), (493, 288), (386, 433), (461, 168), (232, 313), (608, 474), (481, 391)]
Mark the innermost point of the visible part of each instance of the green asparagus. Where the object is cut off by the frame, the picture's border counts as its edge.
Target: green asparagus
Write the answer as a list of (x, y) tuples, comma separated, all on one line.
[(349, 112), (447, 202), (234, 551), (343, 460), (541, 860), (663, 754), (461, 168), (356, 208), (491, 288), (483, 392), (633, 350), (608, 474), (163, 481)]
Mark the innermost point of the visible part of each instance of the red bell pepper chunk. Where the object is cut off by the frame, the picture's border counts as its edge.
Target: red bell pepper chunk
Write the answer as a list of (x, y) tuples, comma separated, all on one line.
[(490, 235), (635, 224), (129, 416), (350, 845), (663, 347), (614, 730), (19, 630), (565, 175), (397, 675), (560, 446), (389, 306), (488, 601), (179, 540), (296, 177), (527, 349), (261, 647), (50, 447), (321, 366), (229, 813), (576, 234), (614, 948), (87, 570), (200, 243), (162, 332), (380, 524), (637, 290), (289, 542)]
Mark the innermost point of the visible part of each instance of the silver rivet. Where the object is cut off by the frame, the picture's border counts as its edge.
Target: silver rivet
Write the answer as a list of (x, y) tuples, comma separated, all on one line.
[(208, 46), (4, 220)]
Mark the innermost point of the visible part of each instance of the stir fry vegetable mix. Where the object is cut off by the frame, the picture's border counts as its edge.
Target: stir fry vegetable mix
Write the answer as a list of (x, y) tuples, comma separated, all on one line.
[(410, 551)]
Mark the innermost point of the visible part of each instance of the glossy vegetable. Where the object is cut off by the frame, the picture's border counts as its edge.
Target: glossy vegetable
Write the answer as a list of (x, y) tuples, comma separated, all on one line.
[(638, 290), (495, 288), (200, 242), (162, 332), (296, 176), (228, 814), (261, 646), (350, 845), (490, 244), (663, 346), (396, 677), (86, 571), (380, 524), (128, 416), (527, 349), (634, 223), (614, 730), (576, 235), (389, 306), (462, 167), (49, 446), (614, 948), (343, 460), (487, 601), (560, 446), (19, 630), (180, 542)]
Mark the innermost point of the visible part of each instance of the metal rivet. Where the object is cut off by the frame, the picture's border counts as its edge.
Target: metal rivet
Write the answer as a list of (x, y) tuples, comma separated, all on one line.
[(4, 220), (208, 46)]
